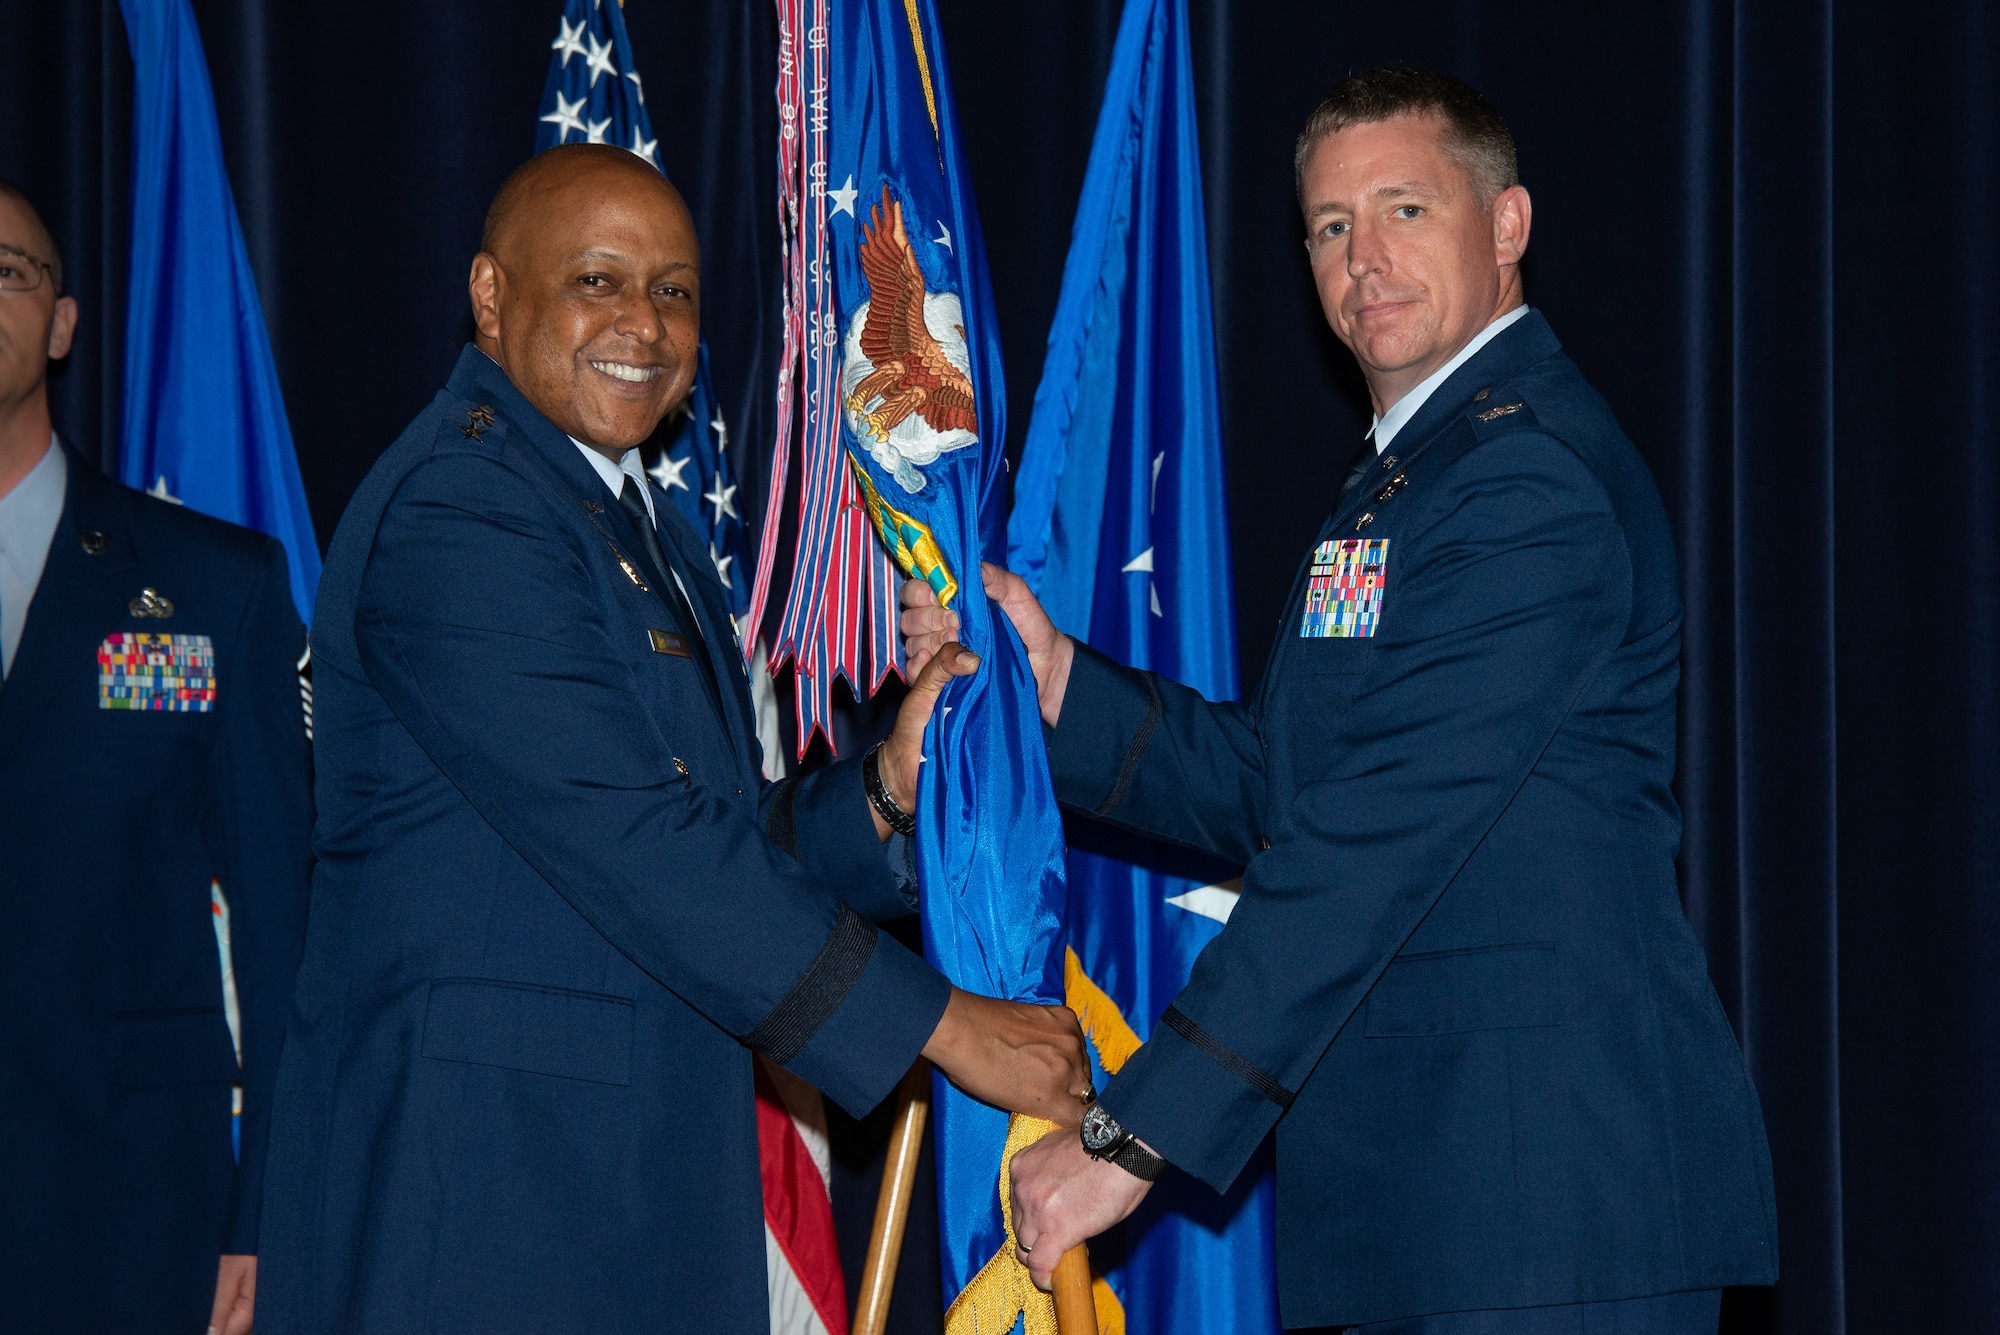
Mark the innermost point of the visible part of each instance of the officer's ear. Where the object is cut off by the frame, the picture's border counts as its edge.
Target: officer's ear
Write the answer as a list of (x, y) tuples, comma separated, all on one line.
[(62, 329), (485, 286)]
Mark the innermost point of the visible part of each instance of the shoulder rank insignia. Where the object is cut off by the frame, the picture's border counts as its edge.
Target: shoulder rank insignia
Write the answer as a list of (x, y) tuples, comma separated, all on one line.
[(156, 673), (1493, 413), (478, 421), (1345, 588)]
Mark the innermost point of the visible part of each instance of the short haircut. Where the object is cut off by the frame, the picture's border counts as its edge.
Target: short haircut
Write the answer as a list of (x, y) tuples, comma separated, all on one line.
[(1475, 137), (46, 239)]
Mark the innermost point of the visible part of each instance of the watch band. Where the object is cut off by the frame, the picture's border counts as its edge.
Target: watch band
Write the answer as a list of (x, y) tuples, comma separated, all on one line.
[(1103, 1138), (897, 819), (1137, 1160)]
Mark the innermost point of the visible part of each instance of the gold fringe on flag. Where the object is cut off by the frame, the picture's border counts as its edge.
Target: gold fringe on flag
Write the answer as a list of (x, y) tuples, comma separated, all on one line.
[(1002, 1290)]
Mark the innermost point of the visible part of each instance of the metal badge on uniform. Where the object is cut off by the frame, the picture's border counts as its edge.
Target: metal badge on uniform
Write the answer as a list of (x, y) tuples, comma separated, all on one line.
[(156, 673), (668, 642), (631, 571), (149, 603), (1345, 589)]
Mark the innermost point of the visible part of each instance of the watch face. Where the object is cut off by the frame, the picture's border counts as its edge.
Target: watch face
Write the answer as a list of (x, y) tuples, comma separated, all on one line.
[(1099, 1131)]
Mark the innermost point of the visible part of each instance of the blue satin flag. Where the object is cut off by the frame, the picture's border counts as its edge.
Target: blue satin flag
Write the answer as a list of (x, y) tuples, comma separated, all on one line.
[(896, 371), (1120, 525), (204, 416)]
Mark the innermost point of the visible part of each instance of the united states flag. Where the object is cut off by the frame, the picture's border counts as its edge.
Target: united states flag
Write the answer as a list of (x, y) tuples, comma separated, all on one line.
[(594, 95)]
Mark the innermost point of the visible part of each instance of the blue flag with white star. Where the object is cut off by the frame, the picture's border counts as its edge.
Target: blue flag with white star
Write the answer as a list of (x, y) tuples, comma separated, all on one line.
[(594, 96), (1120, 526), (891, 392), (205, 420)]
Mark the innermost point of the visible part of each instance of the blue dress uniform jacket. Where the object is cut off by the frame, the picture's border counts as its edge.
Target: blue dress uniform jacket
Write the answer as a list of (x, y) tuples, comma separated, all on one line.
[(555, 911), (115, 1058), (1458, 980)]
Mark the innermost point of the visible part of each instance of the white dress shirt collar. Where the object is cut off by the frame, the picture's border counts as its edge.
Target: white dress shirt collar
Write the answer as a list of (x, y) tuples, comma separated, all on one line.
[(614, 475), (1402, 410), (28, 517)]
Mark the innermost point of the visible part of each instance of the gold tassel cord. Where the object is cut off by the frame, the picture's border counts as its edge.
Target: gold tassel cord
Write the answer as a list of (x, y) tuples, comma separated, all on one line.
[(923, 62)]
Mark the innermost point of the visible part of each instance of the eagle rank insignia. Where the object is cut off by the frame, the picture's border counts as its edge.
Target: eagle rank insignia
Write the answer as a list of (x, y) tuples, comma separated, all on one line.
[(905, 375)]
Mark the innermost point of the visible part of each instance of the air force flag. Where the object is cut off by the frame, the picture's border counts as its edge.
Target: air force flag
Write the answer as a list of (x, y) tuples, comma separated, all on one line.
[(1120, 527), (205, 419), (892, 387)]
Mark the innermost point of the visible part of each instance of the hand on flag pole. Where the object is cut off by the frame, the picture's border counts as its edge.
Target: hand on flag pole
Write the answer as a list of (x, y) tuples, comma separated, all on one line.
[(1014, 1055), (1062, 1197)]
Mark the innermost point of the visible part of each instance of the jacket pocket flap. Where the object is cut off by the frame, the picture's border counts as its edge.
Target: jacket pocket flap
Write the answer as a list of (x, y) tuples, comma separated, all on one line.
[(525, 1027), (189, 1046), (1461, 991)]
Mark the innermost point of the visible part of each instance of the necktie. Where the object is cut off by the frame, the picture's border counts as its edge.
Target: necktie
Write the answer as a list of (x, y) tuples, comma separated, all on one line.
[(634, 505)]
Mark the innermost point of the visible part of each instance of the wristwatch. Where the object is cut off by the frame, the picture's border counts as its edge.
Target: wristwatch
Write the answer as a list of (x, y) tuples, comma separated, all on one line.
[(1103, 1138), (897, 819)]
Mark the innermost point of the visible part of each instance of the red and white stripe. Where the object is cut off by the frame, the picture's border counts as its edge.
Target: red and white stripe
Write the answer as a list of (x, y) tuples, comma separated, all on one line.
[(802, 1259), (841, 577)]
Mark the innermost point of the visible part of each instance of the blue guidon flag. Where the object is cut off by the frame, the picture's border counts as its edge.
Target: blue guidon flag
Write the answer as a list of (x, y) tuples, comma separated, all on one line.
[(891, 389), (1120, 525), (593, 95), (205, 420)]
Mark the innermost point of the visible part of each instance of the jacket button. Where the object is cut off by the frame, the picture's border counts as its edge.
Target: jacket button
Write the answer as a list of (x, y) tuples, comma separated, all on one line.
[(93, 542), (1480, 397), (1367, 518)]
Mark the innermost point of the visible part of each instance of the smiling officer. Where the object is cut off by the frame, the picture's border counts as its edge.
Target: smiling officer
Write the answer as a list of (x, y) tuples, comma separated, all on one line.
[(1458, 981), (556, 908), (151, 746)]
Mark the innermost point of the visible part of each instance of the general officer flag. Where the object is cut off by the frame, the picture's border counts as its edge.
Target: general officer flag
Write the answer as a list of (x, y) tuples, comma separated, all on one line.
[(204, 417), (892, 384), (1120, 527), (593, 95)]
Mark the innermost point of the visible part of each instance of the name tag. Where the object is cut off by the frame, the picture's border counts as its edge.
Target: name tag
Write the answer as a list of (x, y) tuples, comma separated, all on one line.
[(156, 673), (667, 642), (1345, 589)]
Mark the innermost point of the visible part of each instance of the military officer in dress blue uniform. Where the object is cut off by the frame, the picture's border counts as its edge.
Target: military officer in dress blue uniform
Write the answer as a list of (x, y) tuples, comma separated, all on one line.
[(556, 908), (1458, 981), (152, 744)]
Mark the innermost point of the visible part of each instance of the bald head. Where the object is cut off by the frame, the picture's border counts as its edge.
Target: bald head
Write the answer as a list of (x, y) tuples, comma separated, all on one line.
[(534, 193), (35, 328), (586, 291)]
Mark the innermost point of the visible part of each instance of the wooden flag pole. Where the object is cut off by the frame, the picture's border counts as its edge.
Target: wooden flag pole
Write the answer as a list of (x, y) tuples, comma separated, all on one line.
[(1076, 1309), (892, 1206)]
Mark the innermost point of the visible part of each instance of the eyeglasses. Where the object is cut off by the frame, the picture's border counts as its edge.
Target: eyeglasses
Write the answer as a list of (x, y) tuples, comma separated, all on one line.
[(20, 271)]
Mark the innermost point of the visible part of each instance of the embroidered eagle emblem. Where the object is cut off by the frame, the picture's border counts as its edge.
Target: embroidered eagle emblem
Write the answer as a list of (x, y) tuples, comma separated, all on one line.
[(906, 377)]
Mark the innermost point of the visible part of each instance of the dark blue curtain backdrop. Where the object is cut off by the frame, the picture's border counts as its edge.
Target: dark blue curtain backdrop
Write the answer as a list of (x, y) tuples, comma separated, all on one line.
[(1768, 232)]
